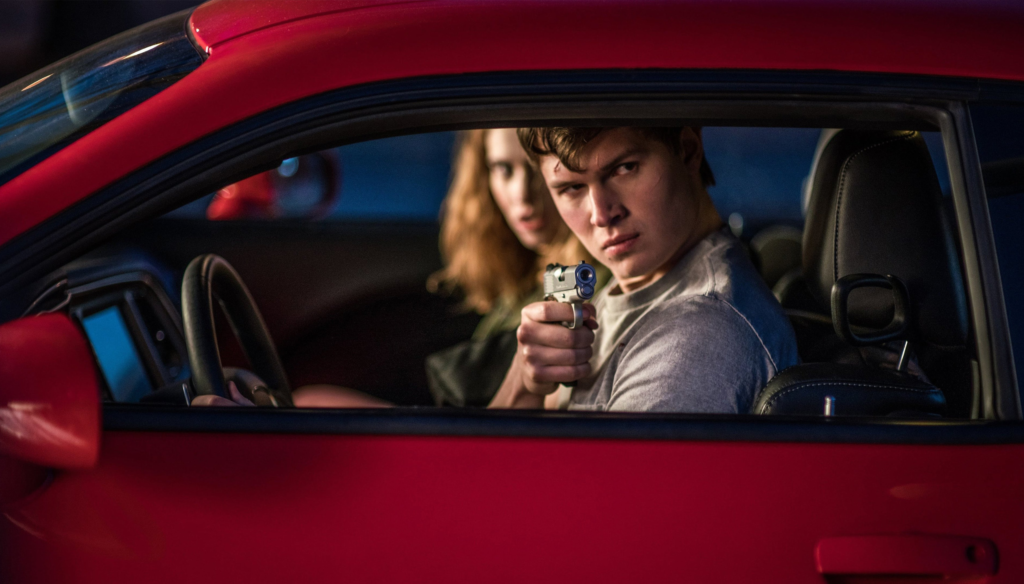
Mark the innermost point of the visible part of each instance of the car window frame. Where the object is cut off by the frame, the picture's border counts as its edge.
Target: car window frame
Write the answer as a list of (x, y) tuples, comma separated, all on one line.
[(1008, 99), (989, 320), (455, 102)]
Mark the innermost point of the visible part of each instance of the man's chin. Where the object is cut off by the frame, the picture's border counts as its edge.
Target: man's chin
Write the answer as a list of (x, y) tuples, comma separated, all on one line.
[(627, 267)]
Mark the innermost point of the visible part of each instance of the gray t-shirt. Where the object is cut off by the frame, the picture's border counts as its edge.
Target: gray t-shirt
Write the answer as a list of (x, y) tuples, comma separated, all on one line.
[(706, 337)]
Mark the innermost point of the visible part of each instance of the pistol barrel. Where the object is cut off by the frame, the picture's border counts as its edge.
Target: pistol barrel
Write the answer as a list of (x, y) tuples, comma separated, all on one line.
[(570, 283)]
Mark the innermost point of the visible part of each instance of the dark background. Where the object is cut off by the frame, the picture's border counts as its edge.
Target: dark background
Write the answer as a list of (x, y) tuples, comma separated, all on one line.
[(35, 33)]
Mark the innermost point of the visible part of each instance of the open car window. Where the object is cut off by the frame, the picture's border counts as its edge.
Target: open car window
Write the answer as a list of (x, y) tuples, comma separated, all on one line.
[(340, 250), (392, 179)]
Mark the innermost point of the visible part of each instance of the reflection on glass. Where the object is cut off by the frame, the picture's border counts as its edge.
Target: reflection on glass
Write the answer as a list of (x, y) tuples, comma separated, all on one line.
[(53, 107)]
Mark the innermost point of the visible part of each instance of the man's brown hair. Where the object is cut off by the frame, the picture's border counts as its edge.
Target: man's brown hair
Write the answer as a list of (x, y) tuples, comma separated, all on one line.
[(567, 144)]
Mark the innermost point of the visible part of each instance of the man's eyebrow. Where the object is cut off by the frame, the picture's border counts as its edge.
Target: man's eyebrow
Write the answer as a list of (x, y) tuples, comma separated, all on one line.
[(631, 151), (562, 183)]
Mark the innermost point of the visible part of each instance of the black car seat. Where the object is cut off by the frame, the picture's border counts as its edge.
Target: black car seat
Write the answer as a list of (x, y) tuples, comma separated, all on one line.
[(878, 256), (777, 248)]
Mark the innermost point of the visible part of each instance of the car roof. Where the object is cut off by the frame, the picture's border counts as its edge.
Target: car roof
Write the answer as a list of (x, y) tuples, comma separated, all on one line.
[(216, 22), (812, 31), (265, 54)]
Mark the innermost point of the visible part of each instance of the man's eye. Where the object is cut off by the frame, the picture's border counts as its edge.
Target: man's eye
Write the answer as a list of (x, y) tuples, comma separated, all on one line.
[(626, 167), (573, 189)]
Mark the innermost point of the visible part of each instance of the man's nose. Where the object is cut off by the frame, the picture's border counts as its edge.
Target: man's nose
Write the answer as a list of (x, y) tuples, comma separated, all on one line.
[(606, 210)]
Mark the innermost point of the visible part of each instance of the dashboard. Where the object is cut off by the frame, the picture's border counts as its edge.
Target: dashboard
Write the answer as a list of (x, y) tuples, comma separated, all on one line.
[(122, 303)]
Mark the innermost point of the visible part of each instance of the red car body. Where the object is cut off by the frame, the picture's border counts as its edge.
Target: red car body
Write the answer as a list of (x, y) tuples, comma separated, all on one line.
[(712, 500), (265, 54)]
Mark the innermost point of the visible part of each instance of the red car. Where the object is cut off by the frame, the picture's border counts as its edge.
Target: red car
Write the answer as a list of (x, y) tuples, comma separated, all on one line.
[(107, 162)]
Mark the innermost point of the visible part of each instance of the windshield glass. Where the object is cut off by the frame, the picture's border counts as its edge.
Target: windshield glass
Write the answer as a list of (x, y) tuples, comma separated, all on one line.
[(53, 107)]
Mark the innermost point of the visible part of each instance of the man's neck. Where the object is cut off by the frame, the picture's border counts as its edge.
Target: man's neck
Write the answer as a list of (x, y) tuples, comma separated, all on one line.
[(709, 221)]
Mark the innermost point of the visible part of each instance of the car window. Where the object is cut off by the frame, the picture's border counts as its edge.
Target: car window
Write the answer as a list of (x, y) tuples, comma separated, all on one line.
[(760, 174), (999, 133), (56, 105), (403, 178), (347, 252)]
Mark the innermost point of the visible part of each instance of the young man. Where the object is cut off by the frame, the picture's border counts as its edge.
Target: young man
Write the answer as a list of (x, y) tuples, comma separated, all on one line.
[(687, 325)]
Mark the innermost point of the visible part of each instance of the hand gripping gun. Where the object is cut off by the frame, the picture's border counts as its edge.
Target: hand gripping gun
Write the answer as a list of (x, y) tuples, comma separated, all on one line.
[(573, 285)]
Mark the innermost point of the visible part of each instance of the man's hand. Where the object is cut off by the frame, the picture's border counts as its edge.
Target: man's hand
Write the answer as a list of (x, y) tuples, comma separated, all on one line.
[(237, 399), (548, 354)]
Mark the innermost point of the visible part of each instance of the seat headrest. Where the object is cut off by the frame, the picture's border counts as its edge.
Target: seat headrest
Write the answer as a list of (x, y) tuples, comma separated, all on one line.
[(875, 206)]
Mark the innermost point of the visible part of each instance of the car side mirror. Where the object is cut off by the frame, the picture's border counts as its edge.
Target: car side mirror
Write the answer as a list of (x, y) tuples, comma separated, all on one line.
[(49, 401), (303, 188)]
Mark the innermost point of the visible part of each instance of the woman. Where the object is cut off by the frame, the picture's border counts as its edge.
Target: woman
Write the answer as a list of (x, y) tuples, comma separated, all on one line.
[(499, 230)]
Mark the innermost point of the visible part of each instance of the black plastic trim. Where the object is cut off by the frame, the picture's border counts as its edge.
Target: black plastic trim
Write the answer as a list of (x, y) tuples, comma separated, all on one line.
[(1000, 398), (446, 422)]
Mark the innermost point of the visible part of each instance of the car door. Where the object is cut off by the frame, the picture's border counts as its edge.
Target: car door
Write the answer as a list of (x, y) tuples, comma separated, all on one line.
[(505, 497), (410, 494)]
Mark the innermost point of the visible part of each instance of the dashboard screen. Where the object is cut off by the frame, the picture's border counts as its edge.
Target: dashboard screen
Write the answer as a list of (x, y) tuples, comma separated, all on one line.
[(119, 360)]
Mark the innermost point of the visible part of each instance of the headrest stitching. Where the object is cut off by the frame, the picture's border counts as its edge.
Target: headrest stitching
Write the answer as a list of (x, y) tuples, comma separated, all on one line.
[(842, 179), (771, 401)]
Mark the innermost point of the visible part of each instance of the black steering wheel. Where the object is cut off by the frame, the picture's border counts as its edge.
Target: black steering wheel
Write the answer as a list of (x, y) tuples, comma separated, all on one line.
[(211, 276)]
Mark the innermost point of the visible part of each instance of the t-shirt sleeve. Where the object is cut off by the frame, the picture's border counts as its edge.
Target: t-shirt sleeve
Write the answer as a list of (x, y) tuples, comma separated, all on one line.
[(700, 356)]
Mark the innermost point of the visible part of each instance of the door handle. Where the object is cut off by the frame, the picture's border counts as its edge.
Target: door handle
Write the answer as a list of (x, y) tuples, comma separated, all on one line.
[(906, 555)]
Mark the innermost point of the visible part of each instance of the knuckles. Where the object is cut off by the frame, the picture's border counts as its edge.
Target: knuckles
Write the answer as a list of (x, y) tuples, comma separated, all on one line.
[(539, 357), (554, 335), (556, 312), (582, 337), (548, 311)]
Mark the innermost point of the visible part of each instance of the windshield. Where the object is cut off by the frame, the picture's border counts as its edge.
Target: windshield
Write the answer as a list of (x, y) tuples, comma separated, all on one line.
[(53, 107)]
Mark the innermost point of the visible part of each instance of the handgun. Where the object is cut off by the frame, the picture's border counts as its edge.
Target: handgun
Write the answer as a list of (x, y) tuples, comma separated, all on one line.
[(570, 284), (573, 285)]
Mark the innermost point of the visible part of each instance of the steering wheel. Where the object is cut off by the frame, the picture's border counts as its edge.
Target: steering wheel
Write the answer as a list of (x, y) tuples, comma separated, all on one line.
[(211, 276)]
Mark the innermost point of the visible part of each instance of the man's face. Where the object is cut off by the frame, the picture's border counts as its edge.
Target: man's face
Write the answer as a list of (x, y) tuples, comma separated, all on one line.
[(634, 203)]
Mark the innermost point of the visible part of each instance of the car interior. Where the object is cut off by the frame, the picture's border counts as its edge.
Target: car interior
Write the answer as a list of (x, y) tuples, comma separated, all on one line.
[(852, 229)]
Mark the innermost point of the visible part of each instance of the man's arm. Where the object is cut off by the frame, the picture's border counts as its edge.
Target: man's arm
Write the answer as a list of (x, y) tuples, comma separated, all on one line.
[(700, 356), (548, 353)]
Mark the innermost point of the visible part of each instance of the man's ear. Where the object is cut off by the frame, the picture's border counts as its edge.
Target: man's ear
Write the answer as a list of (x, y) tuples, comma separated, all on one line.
[(691, 148)]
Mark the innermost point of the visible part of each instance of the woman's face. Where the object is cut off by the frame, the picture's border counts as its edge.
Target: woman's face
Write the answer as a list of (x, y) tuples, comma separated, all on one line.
[(519, 191)]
